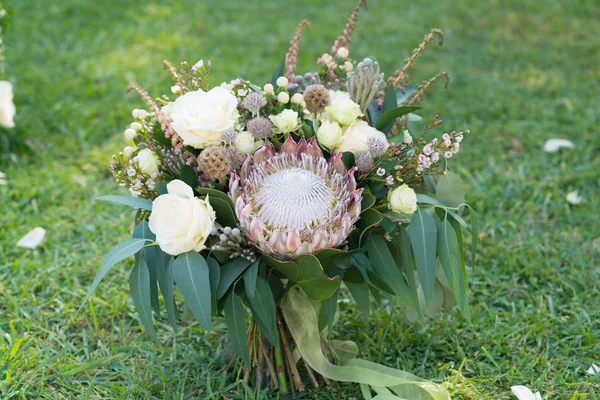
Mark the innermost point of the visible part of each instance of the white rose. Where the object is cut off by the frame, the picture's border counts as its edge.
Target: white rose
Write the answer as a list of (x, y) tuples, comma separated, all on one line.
[(286, 121), (200, 117), (7, 107), (342, 109), (148, 162), (403, 200), (180, 221), (329, 134), (355, 138), (246, 143)]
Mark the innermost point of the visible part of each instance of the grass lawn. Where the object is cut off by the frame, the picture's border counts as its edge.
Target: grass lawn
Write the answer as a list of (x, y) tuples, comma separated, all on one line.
[(522, 72)]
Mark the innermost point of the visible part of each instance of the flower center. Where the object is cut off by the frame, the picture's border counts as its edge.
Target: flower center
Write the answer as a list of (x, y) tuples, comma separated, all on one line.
[(294, 198)]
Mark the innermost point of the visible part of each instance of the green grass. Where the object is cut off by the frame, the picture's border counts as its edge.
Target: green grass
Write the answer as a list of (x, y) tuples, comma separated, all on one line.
[(522, 72)]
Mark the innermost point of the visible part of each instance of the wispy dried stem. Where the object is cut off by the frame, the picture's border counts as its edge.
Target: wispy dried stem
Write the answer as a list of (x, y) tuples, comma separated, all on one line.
[(291, 56), (421, 90), (173, 71), (343, 40), (400, 77), (160, 116)]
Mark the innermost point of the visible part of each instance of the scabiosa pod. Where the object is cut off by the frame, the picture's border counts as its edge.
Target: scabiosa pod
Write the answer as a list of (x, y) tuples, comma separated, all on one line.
[(295, 201)]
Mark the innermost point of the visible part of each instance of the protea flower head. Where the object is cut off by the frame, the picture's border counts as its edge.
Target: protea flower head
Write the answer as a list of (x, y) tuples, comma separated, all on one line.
[(294, 201)]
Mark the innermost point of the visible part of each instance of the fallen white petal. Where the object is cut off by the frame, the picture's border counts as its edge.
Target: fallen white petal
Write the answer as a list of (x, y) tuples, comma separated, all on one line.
[(593, 370), (524, 393), (33, 238), (574, 198), (553, 145)]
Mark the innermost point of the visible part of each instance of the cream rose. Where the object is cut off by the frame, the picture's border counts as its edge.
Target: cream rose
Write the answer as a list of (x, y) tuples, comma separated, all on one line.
[(148, 162), (180, 221), (286, 121), (329, 134), (342, 109), (246, 142), (403, 200), (200, 117), (355, 138), (7, 107)]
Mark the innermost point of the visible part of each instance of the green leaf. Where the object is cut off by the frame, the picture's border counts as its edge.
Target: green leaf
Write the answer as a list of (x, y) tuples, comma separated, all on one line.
[(214, 273), (161, 187), (278, 72), (389, 99), (424, 199), (139, 284), (388, 225), (229, 273), (385, 265), (312, 278), (368, 219), (327, 257), (224, 211), (387, 118), (422, 234), (450, 259), (348, 159), (360, 292), (263, 309), (164, 275), (142, 230), (235, 319), (118, 253), (449, 189), (250, 278), (368, 201), (188, 175), (474, 232), (407, 262), (327, 312), (191, 274), (214, 193), (136, 202), (402, 97)]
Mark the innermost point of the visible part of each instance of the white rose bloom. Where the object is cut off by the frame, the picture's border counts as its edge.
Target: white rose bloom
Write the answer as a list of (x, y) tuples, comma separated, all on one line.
[(355, 138), (200, 117), (329, 134), (403, 200), (7, 107), (246, 143), (286, 121), (148, 162), (180, 221), (342, 109)]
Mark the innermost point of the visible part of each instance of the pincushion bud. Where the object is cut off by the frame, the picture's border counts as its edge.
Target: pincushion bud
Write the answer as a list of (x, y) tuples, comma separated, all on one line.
[(136, 126), (268, 89), (283, 97), (128, 151), (142, 114), (297, 98), (282, 81), (129, 134)]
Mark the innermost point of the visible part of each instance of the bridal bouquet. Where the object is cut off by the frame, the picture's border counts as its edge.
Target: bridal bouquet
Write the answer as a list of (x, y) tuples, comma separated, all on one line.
[(262, 203), (7, 107)]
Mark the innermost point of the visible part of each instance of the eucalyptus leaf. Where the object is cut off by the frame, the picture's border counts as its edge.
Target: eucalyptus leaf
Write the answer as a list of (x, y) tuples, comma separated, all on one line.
[(279, 71), (368, 219), (229, 273), (423, 240), (449, 189), (214, 193), (327, 312), (118, 253), (348, 159), (164, 275), (191, 274), (450, 258), (136, 202), (214, 274), (312, 278), (235, 319), (474, 233), (161, 187), (139, 284), (263, 309), (224, 211), (368, 201), (188, 176), (387, 118), (250, 278), (142, 230), (402, 97), (360, 292)]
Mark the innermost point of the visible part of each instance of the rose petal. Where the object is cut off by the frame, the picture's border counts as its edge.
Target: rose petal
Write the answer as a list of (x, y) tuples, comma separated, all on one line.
[(574, 198), (180, 188), (553, 145)]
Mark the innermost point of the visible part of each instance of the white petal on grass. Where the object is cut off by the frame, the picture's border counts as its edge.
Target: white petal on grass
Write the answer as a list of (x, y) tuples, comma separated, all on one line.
[(524, 393), (593, 370), (553, 145), (33, 238), (574, 198)]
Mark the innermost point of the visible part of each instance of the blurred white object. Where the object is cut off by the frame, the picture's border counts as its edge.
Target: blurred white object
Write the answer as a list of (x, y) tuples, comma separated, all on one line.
[(553, 145), (7, 107), (574, 198), (2, 178), (593, 370), (524, 393), (33, 238)]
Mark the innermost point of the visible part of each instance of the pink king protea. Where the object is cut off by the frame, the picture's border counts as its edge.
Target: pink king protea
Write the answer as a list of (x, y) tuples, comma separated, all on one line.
[(295, 202)]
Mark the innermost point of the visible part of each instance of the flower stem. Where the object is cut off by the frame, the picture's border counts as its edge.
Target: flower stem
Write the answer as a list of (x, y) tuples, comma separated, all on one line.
[(280, 368)]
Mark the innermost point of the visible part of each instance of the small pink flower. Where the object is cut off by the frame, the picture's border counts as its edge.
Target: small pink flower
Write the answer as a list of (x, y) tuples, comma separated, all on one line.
[(448, 154), (381, 172), (389, 180)]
